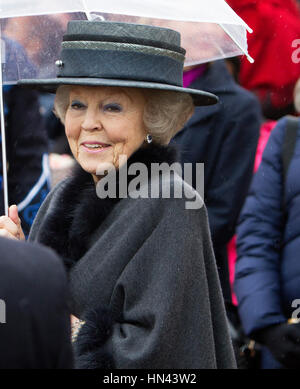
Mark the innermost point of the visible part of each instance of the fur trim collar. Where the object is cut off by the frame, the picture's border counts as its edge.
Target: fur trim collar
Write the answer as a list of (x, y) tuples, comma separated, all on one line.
[(78, 211), (91, 349)]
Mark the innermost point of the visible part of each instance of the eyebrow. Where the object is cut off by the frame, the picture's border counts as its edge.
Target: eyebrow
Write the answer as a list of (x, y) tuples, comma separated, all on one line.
[(121, 91), (126, 94)]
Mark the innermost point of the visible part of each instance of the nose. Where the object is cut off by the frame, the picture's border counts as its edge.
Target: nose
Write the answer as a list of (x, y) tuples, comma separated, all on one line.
[(91, 121)]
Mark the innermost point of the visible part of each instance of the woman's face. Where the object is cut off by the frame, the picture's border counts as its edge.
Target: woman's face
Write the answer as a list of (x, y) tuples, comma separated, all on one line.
[(103, 123)]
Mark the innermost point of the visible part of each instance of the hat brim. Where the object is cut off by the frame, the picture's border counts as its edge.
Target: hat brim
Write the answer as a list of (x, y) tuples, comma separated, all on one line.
[(200, 98)]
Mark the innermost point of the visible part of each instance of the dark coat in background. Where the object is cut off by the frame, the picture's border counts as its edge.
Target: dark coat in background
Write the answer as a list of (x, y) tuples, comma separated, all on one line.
[(142, 274), (268, 242), (224, 137), (34, 319), (268, 267)]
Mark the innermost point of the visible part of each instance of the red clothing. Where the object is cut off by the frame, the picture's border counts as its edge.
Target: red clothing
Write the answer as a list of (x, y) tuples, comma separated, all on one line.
[(276, 25), (265, 132)]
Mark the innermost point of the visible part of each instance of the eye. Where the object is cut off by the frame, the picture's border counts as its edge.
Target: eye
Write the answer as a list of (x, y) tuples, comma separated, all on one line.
[(112, 107), (77, 104)]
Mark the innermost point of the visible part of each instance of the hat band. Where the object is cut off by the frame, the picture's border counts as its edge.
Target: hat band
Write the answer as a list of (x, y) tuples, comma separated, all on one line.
[(121, 64), (124, 39), (122, 47)]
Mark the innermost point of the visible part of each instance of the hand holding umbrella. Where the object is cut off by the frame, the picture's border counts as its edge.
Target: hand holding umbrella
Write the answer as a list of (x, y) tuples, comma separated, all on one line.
[(10, 226)]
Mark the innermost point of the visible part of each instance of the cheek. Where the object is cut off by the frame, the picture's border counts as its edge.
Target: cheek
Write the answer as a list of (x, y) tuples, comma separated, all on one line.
[(116, 134), (139, 131), (135, 136), (72, 128)]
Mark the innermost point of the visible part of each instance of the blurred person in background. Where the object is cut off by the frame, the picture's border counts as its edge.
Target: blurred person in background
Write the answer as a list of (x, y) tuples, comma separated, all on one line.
[(26, 141), (297, 96), (40, 37), (42, 41), (273, 45), (267, 281), (224, 138), (34, 318)]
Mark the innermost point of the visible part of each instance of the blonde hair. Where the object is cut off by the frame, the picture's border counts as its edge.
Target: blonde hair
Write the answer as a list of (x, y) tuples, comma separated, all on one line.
[(165, 112)]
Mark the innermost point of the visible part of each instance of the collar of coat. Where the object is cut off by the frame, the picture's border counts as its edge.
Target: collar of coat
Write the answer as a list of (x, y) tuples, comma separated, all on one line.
[(78, 211), (216, 80)]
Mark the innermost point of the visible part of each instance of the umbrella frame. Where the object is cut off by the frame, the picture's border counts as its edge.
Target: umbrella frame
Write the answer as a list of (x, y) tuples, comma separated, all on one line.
[(3, 137)]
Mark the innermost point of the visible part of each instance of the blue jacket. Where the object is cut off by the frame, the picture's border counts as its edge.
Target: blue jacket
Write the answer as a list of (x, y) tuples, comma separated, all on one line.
[(223, 137), (28, 172), (268, 266)]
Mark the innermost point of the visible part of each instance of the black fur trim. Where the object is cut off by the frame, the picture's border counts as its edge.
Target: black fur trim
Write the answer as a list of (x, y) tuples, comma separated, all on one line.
[(91, 347), (79, 211)]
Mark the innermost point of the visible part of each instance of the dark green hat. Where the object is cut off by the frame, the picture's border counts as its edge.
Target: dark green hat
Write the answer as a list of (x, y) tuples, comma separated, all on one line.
[(96, 53)]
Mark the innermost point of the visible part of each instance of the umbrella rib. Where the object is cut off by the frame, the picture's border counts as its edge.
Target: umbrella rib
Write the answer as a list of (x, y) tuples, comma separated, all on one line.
[(250, 59), (86, 10), (3, 139)]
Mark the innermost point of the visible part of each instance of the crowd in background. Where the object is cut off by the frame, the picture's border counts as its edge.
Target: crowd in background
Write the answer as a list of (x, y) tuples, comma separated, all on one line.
[(267, 268)]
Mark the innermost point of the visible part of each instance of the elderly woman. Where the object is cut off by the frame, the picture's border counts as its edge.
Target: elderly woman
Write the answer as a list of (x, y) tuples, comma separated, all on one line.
[(143, 278)]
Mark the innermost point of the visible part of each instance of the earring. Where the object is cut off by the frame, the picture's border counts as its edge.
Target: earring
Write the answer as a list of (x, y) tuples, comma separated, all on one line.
[(149, 138)]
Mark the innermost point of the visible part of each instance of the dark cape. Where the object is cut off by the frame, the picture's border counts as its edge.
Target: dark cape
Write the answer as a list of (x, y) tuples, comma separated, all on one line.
[(34, 317), (142, 273)]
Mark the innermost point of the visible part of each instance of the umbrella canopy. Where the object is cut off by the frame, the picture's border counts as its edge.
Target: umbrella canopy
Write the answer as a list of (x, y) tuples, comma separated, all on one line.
[(210, 30), (32, 32)]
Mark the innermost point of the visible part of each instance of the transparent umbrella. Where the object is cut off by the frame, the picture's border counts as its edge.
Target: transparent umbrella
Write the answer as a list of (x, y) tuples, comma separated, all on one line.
[(32, 31)]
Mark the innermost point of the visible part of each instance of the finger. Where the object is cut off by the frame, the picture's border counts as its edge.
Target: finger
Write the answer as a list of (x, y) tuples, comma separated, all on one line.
[(6, 234), (7, 224), (74, 319), (13, 214)]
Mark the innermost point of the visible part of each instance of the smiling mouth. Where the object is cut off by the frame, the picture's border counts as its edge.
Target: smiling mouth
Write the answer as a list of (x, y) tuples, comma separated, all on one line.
[(95, 145)]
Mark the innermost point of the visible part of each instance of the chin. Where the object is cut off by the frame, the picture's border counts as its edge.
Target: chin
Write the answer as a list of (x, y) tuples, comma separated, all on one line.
[(88, 166), (90, 163), (93, 166)]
